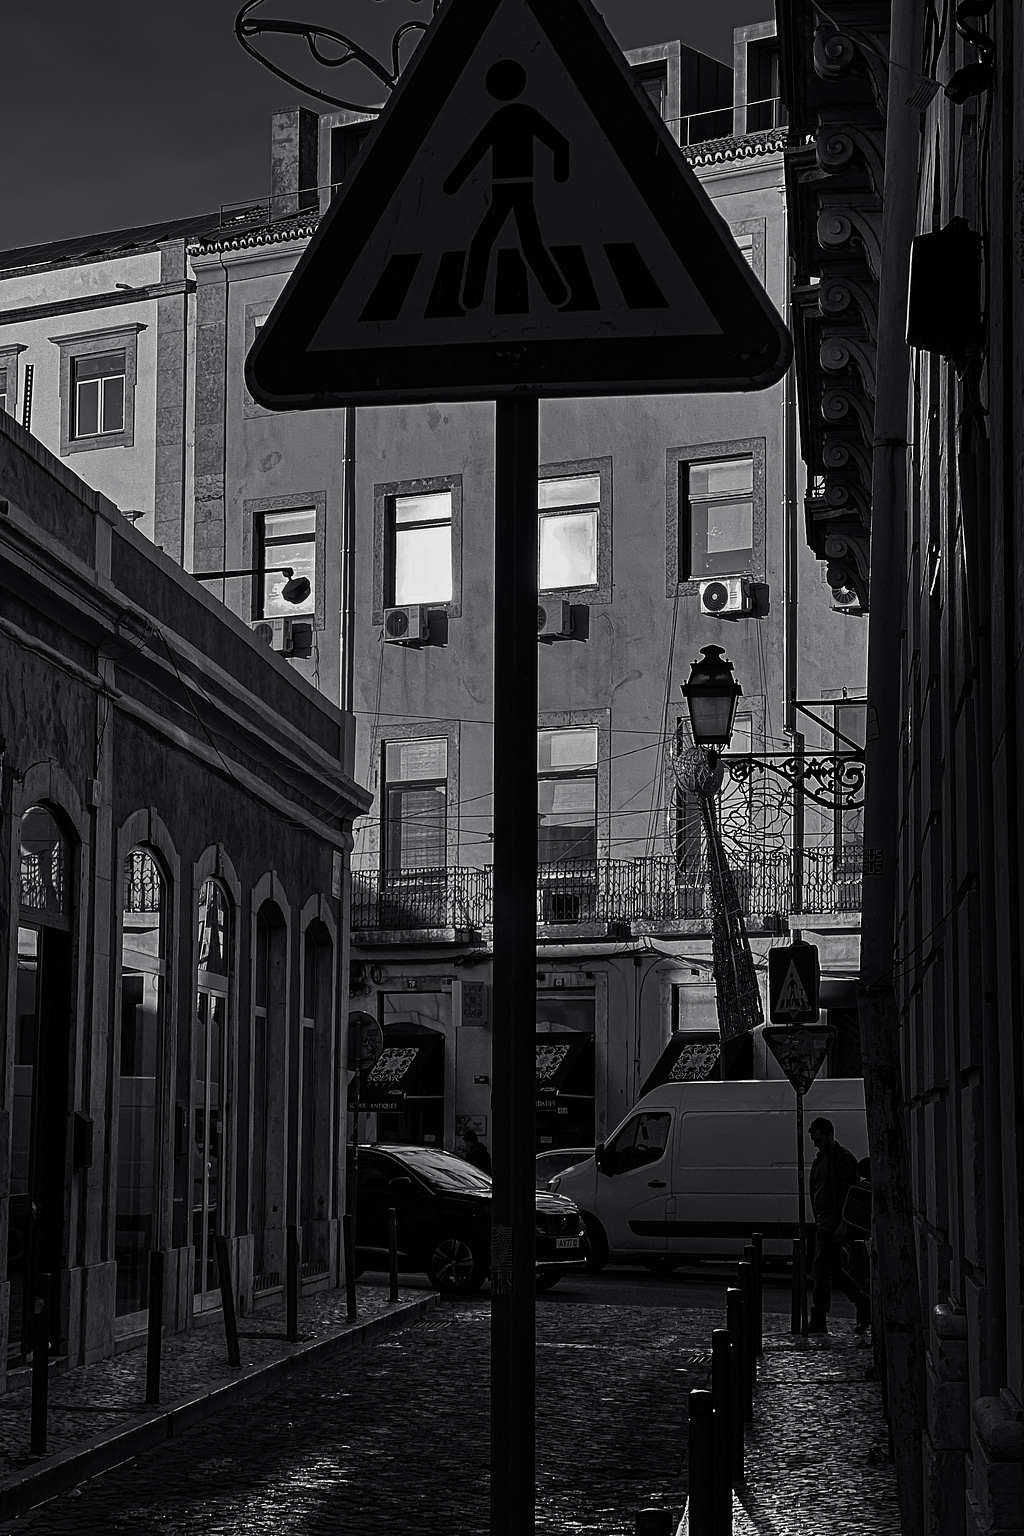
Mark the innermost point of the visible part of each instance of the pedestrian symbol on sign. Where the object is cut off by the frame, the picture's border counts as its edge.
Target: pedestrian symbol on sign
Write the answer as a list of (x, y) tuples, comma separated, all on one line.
[(793, 984)]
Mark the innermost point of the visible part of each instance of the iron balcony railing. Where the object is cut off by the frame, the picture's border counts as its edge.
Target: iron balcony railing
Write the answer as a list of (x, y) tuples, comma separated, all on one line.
[(609, 891)]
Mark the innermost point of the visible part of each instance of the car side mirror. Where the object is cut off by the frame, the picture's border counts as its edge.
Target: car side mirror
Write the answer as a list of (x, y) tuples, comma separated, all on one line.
[(601, 1158), (400, 1181)]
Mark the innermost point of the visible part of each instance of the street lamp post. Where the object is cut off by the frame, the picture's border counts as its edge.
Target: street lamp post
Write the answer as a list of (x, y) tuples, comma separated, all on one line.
[(834, 780), (295, 590)]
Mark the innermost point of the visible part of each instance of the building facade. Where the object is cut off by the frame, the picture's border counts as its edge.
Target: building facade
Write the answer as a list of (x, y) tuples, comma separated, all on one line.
[(176, 809), (907, 127), (642, 501)]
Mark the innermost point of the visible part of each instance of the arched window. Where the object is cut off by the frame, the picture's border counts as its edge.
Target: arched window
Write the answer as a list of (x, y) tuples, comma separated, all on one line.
[(42, 1042), (143, 982), (208, 1169), (268, 1195)]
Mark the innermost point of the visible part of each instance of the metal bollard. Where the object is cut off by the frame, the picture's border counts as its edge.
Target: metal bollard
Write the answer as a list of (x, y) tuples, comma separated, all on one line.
[(721, 1394), (746, 1279), (757, 1242), (392, 1255), (348, 1238), (701, 1470), (653, 1522), (227, 1301), (155, 1325), (291, 1282), (40, 1365), (734, 1321), (796, 1310)]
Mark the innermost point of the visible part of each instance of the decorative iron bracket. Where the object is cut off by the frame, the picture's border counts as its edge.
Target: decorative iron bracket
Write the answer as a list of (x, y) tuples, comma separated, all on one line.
[(838, 775)]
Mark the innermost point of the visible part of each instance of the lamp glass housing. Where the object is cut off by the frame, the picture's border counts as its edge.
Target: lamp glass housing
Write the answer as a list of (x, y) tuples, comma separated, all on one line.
[(712, 694)]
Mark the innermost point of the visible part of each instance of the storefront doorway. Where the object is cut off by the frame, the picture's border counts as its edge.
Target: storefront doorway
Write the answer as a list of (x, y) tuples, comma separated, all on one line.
[(208, 1162), (565, 1068), (42, 1041)]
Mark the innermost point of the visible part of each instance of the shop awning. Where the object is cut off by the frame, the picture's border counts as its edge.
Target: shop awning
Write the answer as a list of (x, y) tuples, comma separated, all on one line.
[(688, 1058), (394, 1076), (556, 1057)]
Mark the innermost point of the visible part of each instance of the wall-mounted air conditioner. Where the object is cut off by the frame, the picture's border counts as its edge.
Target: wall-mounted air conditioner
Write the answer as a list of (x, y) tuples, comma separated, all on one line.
[(406, 626), (554, 619), (727, 597), (289, 637)]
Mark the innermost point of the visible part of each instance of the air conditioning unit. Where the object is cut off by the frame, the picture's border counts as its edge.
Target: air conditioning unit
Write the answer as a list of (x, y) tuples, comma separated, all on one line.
[(845, 600), (554, 620), (727, 597), (406, 626), (289, 637)]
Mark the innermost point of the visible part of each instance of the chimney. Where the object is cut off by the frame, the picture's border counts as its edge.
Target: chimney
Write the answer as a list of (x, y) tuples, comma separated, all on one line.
[(293, 162)]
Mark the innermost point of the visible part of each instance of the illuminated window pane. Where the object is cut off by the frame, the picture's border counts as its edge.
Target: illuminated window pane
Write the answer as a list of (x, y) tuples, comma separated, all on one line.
[(568, 551), (730, 526), (433, 507), (569, 491), (569, 748), (722, 477), (423, 564)]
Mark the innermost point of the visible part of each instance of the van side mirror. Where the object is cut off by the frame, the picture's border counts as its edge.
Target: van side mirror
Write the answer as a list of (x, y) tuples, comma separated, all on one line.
[(401, 1181), (600, 1158)]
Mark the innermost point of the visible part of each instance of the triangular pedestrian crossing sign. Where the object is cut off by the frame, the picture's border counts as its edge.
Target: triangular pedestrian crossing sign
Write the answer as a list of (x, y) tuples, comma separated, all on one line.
[(793, 983), (520, 221)]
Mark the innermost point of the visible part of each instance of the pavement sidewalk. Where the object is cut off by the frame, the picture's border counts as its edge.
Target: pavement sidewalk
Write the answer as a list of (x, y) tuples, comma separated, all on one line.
[(97, 1414), (816, 1454)]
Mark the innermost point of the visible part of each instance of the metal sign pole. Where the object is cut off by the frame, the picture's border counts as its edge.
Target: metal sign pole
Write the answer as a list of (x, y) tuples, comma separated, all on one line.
[(513, 1064), (802, 1277)]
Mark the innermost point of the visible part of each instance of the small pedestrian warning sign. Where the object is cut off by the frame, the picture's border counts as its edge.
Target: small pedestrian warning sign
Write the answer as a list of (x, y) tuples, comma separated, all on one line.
[(520, 220), (793, 981)]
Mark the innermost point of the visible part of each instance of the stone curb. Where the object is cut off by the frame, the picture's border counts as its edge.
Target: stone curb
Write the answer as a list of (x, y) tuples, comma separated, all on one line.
[(35, 1485)]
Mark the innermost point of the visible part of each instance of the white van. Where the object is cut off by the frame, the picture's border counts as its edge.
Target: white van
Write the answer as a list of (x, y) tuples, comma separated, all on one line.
[(695, 1168)]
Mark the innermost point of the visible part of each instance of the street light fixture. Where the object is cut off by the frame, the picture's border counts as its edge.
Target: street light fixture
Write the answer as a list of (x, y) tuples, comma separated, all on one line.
[(834, 780), (711, 695), (295, 590)]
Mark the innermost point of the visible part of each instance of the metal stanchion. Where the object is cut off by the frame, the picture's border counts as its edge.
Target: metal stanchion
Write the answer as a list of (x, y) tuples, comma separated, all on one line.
[(392, 1255), (796, 1310), (350, 1267), (155, 1325), (227, 1301), (701, 1471), (721, 1394), (291, 1283), (734, 1323), (40, 1364), (746, 1279), (758, 1245)]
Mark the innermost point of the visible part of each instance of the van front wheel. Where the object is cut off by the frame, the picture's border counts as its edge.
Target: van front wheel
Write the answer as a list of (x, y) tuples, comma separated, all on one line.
[(597, 1258)]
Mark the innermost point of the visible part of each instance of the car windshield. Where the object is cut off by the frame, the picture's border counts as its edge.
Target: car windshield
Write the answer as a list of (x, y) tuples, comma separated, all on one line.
[(445, 1171)]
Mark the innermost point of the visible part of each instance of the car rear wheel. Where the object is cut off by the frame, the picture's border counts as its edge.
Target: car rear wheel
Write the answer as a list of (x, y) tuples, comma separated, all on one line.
[(453, 1265), (597, 1258), (548, 1279), (661, 1264)]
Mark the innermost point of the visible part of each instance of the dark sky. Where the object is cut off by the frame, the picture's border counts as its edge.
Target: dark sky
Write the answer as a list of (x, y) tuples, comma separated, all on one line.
[(120, 112)]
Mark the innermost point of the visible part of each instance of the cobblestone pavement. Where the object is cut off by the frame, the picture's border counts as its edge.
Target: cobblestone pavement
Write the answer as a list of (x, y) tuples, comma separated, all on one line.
[(394, 1437), (110, 1395)]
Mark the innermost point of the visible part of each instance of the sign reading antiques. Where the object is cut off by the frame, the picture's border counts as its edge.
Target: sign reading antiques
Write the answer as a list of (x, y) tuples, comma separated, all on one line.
[(520, 220), (793, 983)]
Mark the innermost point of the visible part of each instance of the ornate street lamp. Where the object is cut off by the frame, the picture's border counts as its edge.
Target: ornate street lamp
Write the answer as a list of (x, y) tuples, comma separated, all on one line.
[(295, 590), (834, 780), (712, 693)]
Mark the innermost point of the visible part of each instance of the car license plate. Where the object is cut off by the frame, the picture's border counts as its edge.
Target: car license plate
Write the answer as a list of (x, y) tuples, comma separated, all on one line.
[(567, 1242)]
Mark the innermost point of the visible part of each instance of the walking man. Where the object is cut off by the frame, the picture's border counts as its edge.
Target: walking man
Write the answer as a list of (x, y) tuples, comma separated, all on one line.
[(833, 1172)]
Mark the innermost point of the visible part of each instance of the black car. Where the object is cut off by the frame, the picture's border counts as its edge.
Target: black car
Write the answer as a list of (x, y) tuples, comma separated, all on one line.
[(442, 1210)]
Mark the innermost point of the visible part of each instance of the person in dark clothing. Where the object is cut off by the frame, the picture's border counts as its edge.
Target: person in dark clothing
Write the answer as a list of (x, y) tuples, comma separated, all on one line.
[(476, 1153), (833, 1172)]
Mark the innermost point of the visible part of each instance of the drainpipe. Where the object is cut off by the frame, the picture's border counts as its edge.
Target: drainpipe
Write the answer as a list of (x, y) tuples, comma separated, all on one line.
[(790, 602), (348, 556), (898, 1281)]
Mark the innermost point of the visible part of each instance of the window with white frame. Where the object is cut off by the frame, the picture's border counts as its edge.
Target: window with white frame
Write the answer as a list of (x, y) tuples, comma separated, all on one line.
[(415, 804), (99, 394), (419, 567), (567, 794), (716, 517), (569, 508), (285, 538)]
